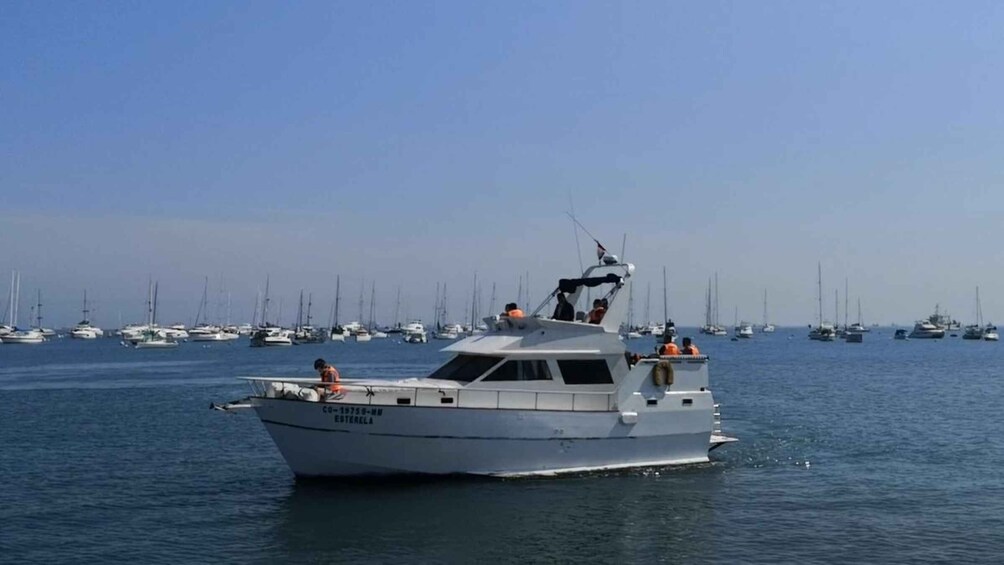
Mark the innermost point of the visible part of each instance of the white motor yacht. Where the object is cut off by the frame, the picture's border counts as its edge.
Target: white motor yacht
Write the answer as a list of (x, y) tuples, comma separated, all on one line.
[(989, 333), (416, 337), (744, 330), (23, 337), (767, 328), (271, 336), (532, 396), (823, 332), (84, 330), (924, 329), (973, 331)]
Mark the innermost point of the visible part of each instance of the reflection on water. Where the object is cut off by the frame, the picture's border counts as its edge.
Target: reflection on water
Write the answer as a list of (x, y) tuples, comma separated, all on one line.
[(621, 517)]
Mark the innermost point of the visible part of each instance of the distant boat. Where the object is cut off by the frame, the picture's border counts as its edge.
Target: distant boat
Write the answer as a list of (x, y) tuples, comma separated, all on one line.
[(824, 331), (978, 331), (924, 329), (84, 330), (15, 336), (990, 333), (767, 327), (851, 337), (154, 337), (900, 334)]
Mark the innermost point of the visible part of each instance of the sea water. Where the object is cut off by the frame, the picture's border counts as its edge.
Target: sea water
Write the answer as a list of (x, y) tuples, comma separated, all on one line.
[(885, 451)]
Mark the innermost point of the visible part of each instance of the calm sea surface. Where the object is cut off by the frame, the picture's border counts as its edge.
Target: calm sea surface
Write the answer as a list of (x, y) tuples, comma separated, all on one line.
[(885, 451)]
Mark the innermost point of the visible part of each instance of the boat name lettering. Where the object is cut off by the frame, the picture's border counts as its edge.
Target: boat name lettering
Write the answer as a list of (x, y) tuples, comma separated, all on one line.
[(353, 414)]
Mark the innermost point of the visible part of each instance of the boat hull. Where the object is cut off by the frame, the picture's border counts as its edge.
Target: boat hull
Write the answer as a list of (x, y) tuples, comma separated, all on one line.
[(333, 440)]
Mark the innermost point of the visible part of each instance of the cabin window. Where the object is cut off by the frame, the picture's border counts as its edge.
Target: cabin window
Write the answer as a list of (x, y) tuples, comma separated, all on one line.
[(465, 368), (585, 372), (521, 371)]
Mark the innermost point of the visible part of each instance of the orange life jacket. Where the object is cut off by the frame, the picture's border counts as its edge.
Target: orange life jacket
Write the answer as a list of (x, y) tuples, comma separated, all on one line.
[(691, 350), (330, 375), (669, 349), (596, 315), (515, 313)]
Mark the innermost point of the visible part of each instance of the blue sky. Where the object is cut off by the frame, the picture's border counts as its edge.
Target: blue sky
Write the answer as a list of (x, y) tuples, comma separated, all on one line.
[(416, 142)]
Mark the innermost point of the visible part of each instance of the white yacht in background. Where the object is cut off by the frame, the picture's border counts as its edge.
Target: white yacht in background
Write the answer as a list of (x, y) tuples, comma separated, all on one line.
[(924, 329), (33, 336), (990, 333), (977, 331), (271, 336), (362, 335), (532, 396), (767, 327), (824, 331), (23, 337), (84, 330), (154, 337), (744, 330)]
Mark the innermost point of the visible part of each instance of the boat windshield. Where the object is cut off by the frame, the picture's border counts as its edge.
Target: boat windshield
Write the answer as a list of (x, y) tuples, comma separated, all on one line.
[(465, 368)]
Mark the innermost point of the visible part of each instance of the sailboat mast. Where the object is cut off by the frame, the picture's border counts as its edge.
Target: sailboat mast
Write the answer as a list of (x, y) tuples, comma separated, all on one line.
[(38, 309), (149, 304), (373, 307), (362, 289), (156, 289), (717, 320), (474, 303), (819, 280), (765, 307), (845, 303), (17, 297), (435, 315), (338, 295), (299, 312), (264, 311), (397, 309), (310, 302), (665, 302)]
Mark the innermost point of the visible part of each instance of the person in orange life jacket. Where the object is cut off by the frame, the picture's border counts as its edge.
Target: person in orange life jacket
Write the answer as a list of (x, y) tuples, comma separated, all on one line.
[(328, 374), (668, 347), (563, 310), (689, 348), (596, 314), (512, 311)]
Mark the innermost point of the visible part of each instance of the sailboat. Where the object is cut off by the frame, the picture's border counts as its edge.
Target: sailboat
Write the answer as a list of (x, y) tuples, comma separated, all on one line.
[(337, 333), (19, 337), (84, 330), (443, 330), (978, 330), (824, 331), (305, 333), (858, 327), (269, 335), (767, 327), (203, 330), (374, 330), (154, 337)]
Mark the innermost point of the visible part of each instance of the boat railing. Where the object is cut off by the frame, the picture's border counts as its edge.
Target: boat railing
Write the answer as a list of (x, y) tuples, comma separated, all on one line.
[(393, 394)]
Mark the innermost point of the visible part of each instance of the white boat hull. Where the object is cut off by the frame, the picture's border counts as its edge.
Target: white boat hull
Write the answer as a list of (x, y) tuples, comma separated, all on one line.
[(12, 339), (330, 439), (156, 345)]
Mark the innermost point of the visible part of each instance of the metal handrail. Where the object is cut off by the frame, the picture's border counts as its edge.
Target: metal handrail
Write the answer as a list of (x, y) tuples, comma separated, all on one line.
[(259, 384)]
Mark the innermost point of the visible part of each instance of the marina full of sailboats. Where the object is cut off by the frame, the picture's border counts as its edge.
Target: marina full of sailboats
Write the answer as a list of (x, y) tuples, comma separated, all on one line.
[(267, 330)]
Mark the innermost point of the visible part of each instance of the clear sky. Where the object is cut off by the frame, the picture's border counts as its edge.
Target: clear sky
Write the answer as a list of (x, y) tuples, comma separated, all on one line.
[(412, 143)]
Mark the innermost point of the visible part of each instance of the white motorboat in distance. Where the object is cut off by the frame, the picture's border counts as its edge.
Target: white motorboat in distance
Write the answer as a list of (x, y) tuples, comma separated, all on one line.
[(924, 329), (531, 396)]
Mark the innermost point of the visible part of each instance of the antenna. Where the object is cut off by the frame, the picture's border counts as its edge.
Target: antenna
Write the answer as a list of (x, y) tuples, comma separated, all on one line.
[(578, 248)]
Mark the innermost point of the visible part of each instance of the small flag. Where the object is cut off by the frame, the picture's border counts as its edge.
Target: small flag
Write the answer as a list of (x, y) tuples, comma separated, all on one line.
[(600, 250)]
